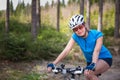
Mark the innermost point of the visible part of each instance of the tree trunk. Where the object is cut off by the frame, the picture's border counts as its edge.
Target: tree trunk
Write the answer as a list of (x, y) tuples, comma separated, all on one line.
[(82, 7), (38, 14), (116, 30), (88, 15), (100, 15), (7, 18), (63, 2), (58, 15), (34, 20)]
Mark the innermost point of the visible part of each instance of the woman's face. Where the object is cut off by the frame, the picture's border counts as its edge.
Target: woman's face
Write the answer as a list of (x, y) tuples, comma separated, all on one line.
[(80, 30)]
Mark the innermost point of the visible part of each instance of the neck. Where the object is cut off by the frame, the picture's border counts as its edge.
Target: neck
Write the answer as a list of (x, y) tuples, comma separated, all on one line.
[(86, 34)]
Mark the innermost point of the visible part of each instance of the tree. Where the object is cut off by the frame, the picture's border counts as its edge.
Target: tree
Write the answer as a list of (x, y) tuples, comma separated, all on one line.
[(82, 7), (38, 14), (17, 11), (73, 1), (11, 7), (34, 20), (88, 14), (117, 19), (28, 10), (7, 18), (58, 15), (69, 2), (100, 15), (20, 7), (52, 3), (47, 5), (63, 3)]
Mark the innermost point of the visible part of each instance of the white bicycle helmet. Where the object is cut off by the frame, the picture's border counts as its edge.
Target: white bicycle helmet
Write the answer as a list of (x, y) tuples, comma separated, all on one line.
[(76, 20)]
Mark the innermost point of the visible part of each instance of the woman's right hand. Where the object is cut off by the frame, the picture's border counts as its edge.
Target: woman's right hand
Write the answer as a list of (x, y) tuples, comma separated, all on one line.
[(49, 69)]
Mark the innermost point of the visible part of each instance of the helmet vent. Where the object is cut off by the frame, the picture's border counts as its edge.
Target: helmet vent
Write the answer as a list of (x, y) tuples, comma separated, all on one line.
[(73, 20), (81, 19), (78, 18)]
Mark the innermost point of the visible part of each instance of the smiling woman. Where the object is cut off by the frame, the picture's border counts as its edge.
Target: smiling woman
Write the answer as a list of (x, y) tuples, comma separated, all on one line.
[(97, 56)]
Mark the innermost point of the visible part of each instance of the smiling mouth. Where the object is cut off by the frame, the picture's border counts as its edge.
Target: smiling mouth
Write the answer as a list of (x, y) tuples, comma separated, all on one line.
[(80, 33)]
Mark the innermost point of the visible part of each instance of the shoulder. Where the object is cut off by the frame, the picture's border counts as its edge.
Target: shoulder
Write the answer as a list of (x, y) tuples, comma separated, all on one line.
[(96, 33), (74, 35)]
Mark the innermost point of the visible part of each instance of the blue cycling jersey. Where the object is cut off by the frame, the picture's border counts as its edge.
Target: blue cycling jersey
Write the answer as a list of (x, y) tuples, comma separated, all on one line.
[(87, 45)]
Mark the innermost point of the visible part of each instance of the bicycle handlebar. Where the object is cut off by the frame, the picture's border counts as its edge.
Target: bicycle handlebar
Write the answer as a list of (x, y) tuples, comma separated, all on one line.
[(74, 71)]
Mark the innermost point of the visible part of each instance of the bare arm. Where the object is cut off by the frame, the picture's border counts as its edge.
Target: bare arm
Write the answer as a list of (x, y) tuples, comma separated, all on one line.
[(97, 49), (65, 51)]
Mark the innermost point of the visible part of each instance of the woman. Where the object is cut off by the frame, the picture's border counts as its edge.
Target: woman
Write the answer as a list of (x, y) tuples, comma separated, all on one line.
[(97, 56)]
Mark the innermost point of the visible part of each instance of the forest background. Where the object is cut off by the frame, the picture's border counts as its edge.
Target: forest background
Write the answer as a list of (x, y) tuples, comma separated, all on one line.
[(34, 32)]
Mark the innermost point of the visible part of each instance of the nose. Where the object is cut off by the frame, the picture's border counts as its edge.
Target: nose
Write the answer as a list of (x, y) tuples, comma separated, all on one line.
[(79, 30)]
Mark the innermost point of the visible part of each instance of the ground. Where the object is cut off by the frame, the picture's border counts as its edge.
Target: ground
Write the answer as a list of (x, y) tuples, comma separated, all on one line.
[(15, 70), (114, 72)]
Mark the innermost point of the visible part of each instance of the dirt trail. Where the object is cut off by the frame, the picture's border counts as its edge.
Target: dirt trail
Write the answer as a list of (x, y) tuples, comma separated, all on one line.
[(114, 72), (40, 67)]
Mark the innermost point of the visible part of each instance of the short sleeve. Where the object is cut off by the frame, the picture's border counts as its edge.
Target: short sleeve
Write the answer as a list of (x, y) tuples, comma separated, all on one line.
[(98, 34), (74, 37)]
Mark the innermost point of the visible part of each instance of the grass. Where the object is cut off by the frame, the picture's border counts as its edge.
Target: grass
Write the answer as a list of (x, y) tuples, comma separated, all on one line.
[(22, 71)]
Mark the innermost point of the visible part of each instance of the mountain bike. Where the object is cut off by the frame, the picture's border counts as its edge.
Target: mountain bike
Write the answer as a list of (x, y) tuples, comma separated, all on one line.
[(69, 73)]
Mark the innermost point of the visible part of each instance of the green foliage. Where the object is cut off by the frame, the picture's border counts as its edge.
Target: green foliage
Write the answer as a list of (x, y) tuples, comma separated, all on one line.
[(15, 74), (2, 23), (73, 1), (18, 27), (94, 1), (32, 76), (46, 20), (52, 4), (20, 7), (47, 5), (15, 47), (106, 42), (18, 45), (109, 31), (11, 7), (48, 44), (0, 13), (69, 2)]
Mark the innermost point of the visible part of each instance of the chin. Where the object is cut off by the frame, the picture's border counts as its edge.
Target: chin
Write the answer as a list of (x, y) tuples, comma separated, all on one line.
[(81, 35)]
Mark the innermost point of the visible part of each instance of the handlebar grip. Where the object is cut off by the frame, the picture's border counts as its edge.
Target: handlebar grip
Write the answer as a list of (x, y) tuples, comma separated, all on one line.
[(56, 70), (79, 71)]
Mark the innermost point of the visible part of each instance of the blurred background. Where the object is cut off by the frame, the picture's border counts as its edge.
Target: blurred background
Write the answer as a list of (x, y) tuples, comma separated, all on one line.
[(34, 32)]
